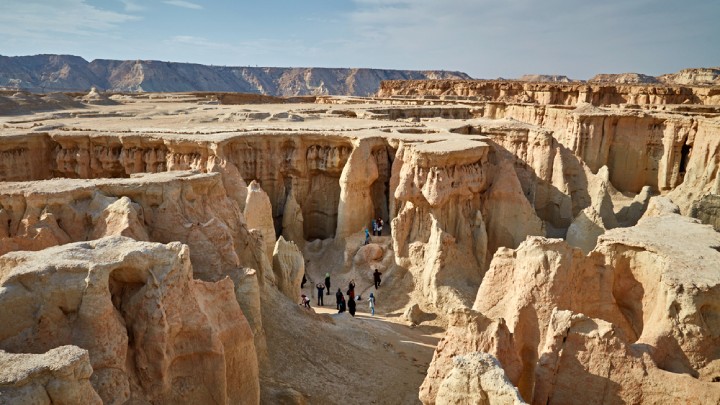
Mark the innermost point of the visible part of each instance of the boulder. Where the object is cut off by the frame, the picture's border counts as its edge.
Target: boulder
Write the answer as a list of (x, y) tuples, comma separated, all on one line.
[(477, 379)]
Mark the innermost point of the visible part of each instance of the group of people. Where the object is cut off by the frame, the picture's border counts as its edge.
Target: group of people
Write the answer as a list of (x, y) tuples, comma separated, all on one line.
[(377, 227), (341, 304)]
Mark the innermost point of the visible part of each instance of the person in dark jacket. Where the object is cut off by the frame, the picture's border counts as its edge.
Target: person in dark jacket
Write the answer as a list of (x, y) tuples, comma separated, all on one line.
[(320, 288), (339, 298), (351, 290), (376, 278), (341, 308), (351, 306), (327, 282)]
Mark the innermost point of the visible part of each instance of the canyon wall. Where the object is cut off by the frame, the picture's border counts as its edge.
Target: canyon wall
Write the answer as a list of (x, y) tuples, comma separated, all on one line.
[(548, 93)]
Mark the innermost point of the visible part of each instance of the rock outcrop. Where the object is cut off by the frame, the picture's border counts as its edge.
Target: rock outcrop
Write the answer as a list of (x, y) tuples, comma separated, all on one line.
[(625, 78), (59, 376), (649, 289), (546, 93), (151, 331), (176, 206), (289, 267), (694, 77), (477, 378), (591, 359)]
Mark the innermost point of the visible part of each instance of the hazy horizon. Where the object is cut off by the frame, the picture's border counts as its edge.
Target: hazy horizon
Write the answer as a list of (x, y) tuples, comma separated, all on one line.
[(482, 38)]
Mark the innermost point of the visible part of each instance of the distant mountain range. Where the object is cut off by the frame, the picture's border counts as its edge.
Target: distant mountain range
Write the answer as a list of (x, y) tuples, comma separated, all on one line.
[(686, 77), (50, 73)]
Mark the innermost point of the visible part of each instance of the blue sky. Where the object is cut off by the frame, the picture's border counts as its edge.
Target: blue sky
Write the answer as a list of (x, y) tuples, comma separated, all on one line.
[(484, 38)]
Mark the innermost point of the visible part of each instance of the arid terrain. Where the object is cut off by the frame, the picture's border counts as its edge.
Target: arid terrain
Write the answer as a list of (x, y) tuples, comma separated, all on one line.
[(543, 243)]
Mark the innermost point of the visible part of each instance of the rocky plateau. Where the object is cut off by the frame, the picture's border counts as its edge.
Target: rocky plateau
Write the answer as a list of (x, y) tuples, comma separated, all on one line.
[(544, 243)]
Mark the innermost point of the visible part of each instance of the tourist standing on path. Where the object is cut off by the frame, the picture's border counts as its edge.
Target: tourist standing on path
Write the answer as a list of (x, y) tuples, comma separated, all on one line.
[(341, 308), (339, 298), (351, 305), (376, 278), (327, 282), (374, 227), (371, 302), (320, 288), (379, 226), (351, 290), (367, 236)]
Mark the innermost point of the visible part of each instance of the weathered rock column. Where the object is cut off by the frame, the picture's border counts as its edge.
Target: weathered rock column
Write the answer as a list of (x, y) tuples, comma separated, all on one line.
[(356, 210)]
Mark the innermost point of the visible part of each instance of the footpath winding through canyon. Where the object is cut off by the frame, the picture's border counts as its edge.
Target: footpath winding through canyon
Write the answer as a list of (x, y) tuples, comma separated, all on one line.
[(544, 243)]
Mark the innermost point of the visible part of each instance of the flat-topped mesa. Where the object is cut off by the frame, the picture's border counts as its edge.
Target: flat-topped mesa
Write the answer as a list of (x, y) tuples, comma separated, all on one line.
[(549, 93)]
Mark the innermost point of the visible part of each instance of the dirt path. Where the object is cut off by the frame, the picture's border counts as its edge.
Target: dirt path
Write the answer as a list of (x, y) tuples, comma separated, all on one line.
[(331, 358)]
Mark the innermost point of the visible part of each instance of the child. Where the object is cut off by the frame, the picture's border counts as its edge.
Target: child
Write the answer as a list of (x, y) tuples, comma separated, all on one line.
[(371, 302), (304, 300)]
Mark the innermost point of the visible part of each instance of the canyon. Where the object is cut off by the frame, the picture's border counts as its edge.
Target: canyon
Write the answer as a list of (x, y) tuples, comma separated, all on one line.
[(544, 243)]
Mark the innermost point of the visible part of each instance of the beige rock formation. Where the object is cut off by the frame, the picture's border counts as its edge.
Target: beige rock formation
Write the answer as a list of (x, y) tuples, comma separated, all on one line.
[(177, 206), (258, 214), (624, 78), (356, 210), (585, 230), (289, 267), (590, 361), (477, 378), (469, 182), (694, 77), (545, 93), (637, 282), (659, 205), (292, 222), (152, 332), (707, 210), (470, 331), (59, 376)]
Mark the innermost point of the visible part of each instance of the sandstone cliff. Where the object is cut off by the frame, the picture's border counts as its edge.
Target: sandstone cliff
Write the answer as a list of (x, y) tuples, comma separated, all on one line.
[(152, 332), (651, 297), (626, 78)]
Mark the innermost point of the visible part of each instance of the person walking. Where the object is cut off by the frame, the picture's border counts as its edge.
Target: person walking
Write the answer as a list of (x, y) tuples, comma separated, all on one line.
[(376, 278), (379, 226), (374, 227), (351, 305), (327, 282), (367, 236), (339, 298), (371, 303), (320, 288)]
